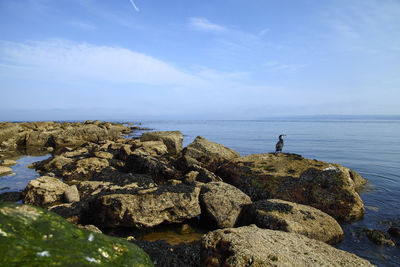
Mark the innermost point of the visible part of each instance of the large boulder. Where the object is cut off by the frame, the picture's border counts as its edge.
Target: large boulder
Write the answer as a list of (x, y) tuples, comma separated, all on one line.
[(205, 151), (44, 191), (223, 203), (35, 237), (172, 139), (252, 246), (146, 207), (325, 186), (40, 138), (276, 214)]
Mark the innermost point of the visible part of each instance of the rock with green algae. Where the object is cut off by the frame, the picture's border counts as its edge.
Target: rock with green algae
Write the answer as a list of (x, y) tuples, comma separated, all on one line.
[(31, 236)]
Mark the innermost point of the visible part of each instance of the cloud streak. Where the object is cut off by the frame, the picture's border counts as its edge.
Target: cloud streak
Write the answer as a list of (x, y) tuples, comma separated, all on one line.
[(204, 24), (134, 6)]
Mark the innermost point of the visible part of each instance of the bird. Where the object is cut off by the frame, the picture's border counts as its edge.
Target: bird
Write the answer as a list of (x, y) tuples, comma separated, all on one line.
[(279, 145)]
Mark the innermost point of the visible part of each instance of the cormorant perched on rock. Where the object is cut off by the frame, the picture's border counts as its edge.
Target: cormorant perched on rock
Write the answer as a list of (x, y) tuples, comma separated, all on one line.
[(279, 145)]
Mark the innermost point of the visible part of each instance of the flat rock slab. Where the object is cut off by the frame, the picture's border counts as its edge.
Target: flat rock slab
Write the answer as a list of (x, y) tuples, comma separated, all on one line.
[(223, 203), (252, 246), (5, 170), (146, 207), (35, 237), (8, 162), (276, 214)]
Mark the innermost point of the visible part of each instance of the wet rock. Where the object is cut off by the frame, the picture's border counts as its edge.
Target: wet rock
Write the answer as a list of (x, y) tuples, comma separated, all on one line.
[(172, 139), (124, 152), (42, 238), (74, 212), (44, 191), (165, 255), (394, 231), (8, 162), (205, 151), (276, 214), (328, 187), (10, 196), (252, 246), (4, 170), (379, 237), (71, 194), (146, 207), (223, 203)]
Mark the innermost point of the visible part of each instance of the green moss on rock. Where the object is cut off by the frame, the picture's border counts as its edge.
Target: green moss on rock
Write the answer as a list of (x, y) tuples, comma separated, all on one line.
[(31, 236)]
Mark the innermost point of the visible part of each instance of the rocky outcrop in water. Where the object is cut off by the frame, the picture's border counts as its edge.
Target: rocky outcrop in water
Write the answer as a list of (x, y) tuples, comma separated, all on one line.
[(35, 237), (276, 214), (252, 246), (144, 183), (56, 134), (328, 187)]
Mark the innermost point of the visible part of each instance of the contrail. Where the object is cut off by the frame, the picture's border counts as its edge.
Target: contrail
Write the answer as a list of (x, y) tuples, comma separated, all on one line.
[(134, 6)]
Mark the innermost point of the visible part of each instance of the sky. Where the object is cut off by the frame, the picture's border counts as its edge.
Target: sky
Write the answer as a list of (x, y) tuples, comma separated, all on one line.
[(209, 59)]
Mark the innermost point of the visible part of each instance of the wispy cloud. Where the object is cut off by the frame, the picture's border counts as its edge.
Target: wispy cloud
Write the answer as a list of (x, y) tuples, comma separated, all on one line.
[(368, 26), (68, 61), (204, 24), (82, 25), (277, 66), (134, 6)]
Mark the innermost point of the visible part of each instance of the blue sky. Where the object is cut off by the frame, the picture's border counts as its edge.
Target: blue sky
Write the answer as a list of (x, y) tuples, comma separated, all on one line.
[(232, 59)]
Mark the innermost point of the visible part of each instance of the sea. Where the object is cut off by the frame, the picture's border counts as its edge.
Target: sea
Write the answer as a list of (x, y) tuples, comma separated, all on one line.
[(370, 146)]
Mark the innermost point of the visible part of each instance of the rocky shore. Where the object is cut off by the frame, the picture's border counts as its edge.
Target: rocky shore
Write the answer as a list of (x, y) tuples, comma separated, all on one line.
[(260, 210)]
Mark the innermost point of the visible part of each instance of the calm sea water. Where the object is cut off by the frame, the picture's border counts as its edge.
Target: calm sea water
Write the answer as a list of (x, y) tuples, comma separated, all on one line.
[(370, 147)]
